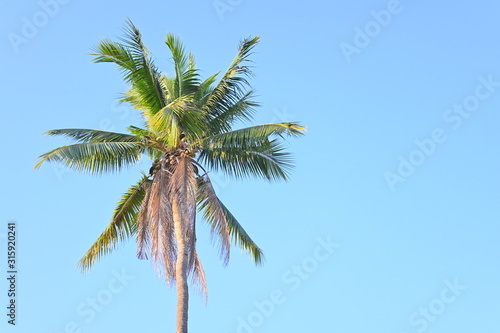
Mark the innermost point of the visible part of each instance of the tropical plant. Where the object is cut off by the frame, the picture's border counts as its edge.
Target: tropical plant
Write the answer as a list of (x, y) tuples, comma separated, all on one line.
[(188, 129)]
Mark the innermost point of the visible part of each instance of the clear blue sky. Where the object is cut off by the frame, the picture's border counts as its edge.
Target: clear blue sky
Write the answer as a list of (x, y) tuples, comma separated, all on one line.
[(390, 222)]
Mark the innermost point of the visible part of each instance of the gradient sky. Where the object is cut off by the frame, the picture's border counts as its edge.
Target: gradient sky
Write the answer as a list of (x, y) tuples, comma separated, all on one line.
[(390, 222)]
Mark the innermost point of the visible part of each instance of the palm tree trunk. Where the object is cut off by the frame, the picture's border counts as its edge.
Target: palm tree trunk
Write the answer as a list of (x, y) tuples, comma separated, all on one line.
[(181, 265)]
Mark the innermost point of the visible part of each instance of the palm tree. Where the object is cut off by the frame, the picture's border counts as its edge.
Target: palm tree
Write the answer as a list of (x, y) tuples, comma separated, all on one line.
[(188, 129)]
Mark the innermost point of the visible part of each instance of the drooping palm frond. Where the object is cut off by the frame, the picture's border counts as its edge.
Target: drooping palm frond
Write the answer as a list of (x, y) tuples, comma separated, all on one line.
[(267, 159), (155, 226), (142, 132), (183, 192), (133, 59), (251, 151), (95, 157), (231, 87), (209, 205), (122, 225), (198, 277), (247, 136), (240, 236), (142, 226), (90, 135)]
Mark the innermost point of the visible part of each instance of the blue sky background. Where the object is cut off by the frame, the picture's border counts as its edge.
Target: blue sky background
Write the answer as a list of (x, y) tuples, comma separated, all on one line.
[(417, 253)]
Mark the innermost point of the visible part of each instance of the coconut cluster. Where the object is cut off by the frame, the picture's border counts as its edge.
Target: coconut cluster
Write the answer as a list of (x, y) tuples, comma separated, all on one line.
[(171, 159)]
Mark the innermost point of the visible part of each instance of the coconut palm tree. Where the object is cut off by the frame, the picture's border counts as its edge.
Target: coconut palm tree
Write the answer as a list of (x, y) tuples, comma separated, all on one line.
[(187, 131)]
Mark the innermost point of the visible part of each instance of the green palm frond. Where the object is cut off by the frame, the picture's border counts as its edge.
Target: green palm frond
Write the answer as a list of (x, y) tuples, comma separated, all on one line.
[(89, 135), (204, 91), (242, 109), (179, 117), (231, 87), (155, 147), (142, 132), (122, 225), (267, 159), (247, 136), (169, 84), (166, 121), (132, 97), (95, 157), (186, 75), (133, 59)]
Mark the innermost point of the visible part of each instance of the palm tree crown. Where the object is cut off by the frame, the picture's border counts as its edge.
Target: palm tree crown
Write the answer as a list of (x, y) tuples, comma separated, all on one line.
[(188, 129)]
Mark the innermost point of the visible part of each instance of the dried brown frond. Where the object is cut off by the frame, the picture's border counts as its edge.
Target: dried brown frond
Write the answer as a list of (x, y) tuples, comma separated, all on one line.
[(142, 227), (174, 186), (199, 278), (183, 186)]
